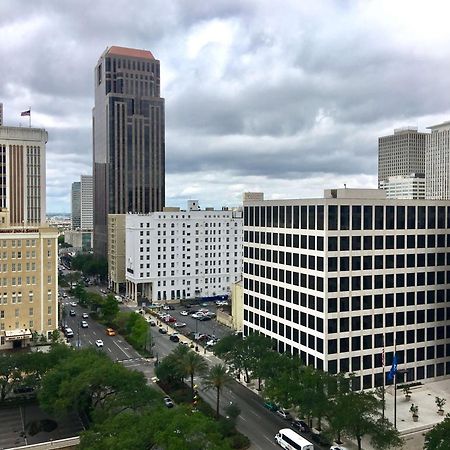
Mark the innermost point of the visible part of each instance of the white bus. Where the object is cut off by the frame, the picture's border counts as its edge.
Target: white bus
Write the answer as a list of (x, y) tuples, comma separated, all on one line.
[(290, 440)]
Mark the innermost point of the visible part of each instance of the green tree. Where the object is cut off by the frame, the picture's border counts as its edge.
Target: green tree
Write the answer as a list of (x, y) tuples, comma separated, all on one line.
[(438, 438), (384, 436), (109, 308), (10, 373), (191, 364), (216, 378)]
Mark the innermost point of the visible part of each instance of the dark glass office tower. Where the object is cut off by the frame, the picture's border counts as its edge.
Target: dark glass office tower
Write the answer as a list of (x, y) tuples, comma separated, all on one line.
[(128, 138)]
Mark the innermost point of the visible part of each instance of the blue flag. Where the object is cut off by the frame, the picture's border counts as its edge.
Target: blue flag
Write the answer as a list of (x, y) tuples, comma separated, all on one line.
[(393, 370)]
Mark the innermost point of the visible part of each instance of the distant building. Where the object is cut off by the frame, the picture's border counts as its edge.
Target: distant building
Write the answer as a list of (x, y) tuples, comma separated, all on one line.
[(129, 137), (79, 239), (335, 280), (401, 154), (116, 252), (29, 282), (1, 114), (22, 174), (76, 205), (405, 187), (437, 164), (177, 254)]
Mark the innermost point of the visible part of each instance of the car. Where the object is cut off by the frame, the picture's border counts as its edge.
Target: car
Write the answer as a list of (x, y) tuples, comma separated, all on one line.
[(152, 323), (110, 332), (174, 337), (84, 324), (211, 315), (162, 330), (300, 425), (211, 342), (168, 402), (85, 315), (68, 332), (184, 313), (179, 324), (166, 308), (338, 447), (72, 313), (204, 317), (270, 406), (73, 304), (286, 415), (196, 315), (99, 343), (204, 304), (64, 295), (169, 319), (103, 291)]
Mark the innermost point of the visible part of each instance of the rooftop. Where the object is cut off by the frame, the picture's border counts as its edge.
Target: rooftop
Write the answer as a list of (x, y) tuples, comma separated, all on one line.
[(439, 126), (129, 52)]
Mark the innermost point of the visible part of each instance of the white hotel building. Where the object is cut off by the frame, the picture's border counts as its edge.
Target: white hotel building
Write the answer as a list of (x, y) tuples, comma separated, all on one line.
[(336, 279), (177, 254)]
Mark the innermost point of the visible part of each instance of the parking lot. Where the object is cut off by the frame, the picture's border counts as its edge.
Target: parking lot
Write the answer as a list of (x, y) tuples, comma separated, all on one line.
[(193, 326)]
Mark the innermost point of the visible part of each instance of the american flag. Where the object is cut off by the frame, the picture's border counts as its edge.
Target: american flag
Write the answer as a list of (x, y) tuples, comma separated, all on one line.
[(26, 113)]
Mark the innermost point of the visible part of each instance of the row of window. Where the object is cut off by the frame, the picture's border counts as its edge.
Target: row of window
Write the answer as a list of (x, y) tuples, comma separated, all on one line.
[(289, 259), (273, 274), (4, 314)]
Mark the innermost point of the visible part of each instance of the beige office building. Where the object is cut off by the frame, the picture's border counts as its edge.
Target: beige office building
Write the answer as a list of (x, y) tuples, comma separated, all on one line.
[(22, 174), (116, 251), (28, 282)]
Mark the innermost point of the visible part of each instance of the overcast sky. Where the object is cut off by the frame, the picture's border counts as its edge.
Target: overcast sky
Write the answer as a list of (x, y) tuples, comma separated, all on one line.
[(284, 97)]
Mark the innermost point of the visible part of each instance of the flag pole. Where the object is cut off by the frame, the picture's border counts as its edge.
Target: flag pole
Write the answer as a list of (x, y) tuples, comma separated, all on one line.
[(384, 377), (395, 388), (29, 117)]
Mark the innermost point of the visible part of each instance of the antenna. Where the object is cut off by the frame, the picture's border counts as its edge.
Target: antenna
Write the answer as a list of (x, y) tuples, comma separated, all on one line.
[(345, 185)]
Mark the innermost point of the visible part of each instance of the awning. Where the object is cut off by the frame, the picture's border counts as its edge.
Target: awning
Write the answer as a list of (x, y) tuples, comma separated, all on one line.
[(17, 335)]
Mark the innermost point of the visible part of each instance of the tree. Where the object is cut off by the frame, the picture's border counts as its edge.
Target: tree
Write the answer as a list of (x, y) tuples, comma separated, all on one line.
[(384, 436), (217, 378), (192, 364), (109, 308), (10, 374), (438, 438)]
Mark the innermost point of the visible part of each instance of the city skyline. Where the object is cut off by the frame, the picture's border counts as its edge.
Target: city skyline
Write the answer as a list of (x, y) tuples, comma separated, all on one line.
[(256, 100)]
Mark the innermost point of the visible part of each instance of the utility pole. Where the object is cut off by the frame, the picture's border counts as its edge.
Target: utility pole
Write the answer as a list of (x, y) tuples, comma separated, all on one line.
[(78, 335)]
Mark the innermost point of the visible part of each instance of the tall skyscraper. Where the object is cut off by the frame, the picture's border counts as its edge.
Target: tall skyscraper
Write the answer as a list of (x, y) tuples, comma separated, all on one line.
[(1, 114), (22, 174), (129, 138), (76, 205), (401, 154), (437, 162)]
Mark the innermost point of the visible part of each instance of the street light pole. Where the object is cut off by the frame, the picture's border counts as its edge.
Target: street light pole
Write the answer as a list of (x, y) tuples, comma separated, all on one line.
[(78, 335)]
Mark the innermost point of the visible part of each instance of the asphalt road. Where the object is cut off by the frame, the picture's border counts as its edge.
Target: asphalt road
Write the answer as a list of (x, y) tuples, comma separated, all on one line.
[(255, 421)]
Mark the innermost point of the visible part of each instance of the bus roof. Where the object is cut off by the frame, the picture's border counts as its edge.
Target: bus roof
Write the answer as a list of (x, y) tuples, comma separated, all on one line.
[(291, 434)]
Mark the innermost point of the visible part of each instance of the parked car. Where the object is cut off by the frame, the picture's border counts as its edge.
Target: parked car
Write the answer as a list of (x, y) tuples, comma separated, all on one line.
[(174, 337), (320, 439), (85, 315), (84, 324), (72, 313), (68, 332), (300, 425), (184, 313), (204, 317), (99, 343), (166, 308), (73, 304), (110, 332), (270, 406), (211, 343), (338, 447), (286, 415), (168, 402), (162, 330), (103, 291), (152, 323), (179, 324)]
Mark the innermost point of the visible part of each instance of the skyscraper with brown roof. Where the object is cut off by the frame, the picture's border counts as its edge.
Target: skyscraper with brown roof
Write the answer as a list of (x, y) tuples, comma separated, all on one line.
[(129, 138)]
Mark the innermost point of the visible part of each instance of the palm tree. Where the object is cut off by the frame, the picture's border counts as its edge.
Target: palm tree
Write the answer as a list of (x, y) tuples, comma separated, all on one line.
[(216, 378), (191, 364)]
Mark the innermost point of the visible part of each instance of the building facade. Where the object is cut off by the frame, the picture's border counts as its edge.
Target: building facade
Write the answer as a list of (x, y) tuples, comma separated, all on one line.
[(401, 154), (129, 138), (22, 174), (1, 114), (87, 202), (336, 280), (76, 205), (437, 166), (79, 239), (177, 254), (28, 282), (405, 187), (116, 252)]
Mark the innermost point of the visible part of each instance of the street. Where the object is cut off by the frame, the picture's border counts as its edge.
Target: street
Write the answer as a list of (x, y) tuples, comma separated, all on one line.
[(255, 421)]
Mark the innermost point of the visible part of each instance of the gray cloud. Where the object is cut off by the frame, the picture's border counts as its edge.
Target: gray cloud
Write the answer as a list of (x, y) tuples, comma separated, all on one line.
[(268, 94)]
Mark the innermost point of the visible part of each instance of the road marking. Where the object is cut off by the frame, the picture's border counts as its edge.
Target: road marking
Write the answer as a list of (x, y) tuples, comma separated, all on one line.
[(90, 342), (94, 332), (243, 418), (253, 412), (120, 348), (265, 437), (109, 350)]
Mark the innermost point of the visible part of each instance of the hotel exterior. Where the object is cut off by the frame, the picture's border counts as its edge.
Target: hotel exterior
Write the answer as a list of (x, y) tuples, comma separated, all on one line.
[(28, 282), (173, 254), (336, 280)]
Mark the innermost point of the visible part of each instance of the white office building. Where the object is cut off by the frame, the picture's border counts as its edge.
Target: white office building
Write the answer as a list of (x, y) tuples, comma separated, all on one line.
[(177, 254), (408, 187), (335, 280), (83, 203), (437, 162)]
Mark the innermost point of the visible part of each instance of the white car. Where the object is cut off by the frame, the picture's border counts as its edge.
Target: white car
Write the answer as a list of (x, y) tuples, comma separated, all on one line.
[(99, 343), (85, 315), (337, 447), (179, 324), (84, 324), (197, 315), (184, 313), (166, 308), (211, 342), (73, 304)]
